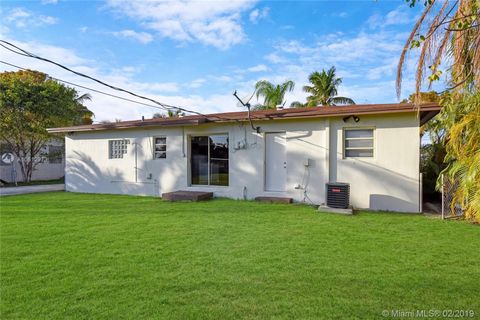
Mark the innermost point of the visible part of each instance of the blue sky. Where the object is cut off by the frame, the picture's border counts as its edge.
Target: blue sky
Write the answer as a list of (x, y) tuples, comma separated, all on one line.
[(196, 53)]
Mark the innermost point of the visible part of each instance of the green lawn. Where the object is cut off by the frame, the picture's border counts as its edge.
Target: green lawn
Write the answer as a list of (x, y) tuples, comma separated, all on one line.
[(83, 256)]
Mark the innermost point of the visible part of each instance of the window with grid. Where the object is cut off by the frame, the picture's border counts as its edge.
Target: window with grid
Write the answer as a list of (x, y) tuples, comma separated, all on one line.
[(117, 148), (160, 147), (358, 143)]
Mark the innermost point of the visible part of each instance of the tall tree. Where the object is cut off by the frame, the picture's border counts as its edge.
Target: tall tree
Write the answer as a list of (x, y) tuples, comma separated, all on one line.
[(171, 113), (461, 118), (447, 34), (87, 115), (323, 91), (30, 102), (272, 94), (297, 104)]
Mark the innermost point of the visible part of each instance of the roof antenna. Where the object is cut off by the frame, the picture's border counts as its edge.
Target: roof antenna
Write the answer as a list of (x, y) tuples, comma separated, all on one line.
[(247, 105)]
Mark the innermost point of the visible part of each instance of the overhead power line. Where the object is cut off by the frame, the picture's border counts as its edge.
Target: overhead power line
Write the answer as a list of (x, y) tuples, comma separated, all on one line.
[(17, 50), (87, 88)]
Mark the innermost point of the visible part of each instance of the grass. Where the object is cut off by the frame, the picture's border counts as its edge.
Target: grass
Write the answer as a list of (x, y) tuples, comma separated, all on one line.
[(83, 256), (34, 183)]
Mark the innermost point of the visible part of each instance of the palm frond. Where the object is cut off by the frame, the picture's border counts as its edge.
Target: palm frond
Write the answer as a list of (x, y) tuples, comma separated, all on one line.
[(407, 45), (273, 95), (341, 100)]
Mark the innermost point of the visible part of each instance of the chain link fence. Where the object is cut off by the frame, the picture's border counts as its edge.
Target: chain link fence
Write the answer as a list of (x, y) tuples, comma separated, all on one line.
[(449, 208)]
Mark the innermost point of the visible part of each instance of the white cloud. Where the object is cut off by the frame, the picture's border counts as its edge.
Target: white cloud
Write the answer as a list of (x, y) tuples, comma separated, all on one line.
[(4, 30), (397, 16), (104, 107), (222, 78), (152, 86), (142, 37), (48, 19), (342, 14), (197, 83), (367, 63), (21, 18), (17, 13), (49, 1), (258, 68), (386, 70), (274, 58), (109, 108), (338, 49), (83, 29), (258, 14), (212, 23)]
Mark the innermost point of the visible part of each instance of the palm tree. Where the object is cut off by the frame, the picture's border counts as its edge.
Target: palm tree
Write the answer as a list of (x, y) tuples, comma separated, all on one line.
[(273, 95), (323, 90), (450, 40), (171, 113), (297, 104), (86, 116), (447, 35), (174, 113)]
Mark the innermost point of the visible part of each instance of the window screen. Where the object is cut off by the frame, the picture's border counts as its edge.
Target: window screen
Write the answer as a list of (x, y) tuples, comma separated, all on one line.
[(160, 148)]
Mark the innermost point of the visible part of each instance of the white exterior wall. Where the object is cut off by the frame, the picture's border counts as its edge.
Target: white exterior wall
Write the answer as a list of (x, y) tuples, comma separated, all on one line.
[(43, 171), (388, 181)]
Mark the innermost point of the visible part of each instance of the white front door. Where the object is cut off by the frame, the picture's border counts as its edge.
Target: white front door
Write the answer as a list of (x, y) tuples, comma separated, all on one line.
[(275, 161)]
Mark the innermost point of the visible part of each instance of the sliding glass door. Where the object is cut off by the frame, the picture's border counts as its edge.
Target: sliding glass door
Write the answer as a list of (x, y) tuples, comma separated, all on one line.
[(199, 160), (209, 160)]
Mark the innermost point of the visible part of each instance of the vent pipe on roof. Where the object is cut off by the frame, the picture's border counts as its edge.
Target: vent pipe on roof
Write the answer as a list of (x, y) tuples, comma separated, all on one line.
[(143, 118)]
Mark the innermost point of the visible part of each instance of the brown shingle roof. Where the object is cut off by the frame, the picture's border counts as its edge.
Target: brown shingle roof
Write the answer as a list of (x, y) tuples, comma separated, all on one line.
[(426, 112)]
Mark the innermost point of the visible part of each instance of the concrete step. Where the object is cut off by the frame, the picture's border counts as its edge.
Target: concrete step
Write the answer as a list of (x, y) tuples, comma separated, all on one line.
[(274, 199), (347, 211), (182, 195)]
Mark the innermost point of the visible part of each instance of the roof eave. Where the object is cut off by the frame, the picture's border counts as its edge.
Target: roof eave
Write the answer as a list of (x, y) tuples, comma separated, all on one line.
[(116, 126), (426, 112)]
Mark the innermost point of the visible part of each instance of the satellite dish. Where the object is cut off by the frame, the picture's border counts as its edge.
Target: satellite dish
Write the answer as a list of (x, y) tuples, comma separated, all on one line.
[(8, 157), (245, 99)]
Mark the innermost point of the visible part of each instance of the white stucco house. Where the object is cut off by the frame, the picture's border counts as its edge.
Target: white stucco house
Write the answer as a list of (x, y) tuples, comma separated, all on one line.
[(294, 153)]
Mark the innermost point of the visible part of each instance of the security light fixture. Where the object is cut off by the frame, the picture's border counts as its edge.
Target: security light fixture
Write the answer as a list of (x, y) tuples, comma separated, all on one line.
[(355, 118)]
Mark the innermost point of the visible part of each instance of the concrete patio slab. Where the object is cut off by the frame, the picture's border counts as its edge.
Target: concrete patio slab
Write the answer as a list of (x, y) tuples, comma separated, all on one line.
[(348, 211), (182, 195), (274, 199)]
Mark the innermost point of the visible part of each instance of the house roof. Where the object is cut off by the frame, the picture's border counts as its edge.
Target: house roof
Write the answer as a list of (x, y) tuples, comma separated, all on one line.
[(426, 112)]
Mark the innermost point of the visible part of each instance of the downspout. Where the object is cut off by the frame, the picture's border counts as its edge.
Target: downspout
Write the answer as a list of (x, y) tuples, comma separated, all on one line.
[(183, 141), (327, 168), (420, 176), (136, 162)]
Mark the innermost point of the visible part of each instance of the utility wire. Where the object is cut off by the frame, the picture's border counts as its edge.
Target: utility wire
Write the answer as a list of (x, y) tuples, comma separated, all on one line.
[(25, 53), (87, 88), (7, 45)]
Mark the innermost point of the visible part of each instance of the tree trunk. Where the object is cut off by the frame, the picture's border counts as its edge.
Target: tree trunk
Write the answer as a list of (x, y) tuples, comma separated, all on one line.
[(23, 166)]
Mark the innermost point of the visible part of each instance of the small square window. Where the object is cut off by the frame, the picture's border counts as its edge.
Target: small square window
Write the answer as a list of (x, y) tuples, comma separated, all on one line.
[(160, 148), (358, 143), (117, 148)]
